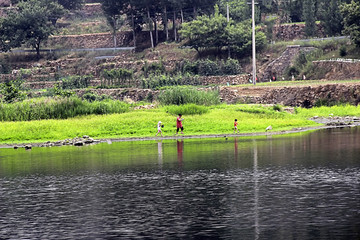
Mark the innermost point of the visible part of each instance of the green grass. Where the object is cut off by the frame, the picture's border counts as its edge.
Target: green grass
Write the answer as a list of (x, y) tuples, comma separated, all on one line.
[(141, 123)]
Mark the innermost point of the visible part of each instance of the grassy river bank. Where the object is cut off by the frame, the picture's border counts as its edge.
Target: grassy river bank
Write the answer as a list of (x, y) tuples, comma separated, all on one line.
[(198, 120)]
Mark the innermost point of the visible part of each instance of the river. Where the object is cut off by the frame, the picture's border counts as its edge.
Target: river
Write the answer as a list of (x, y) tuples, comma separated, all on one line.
[(301, 186)]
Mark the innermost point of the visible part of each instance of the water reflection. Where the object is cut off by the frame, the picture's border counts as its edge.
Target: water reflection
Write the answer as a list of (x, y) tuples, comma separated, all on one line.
[(160, 154), (267, 188), (180, 149), (256, 192)]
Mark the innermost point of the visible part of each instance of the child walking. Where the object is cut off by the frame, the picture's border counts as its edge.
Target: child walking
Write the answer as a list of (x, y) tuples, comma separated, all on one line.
[(179, 124), (159, 129), (235, 126)]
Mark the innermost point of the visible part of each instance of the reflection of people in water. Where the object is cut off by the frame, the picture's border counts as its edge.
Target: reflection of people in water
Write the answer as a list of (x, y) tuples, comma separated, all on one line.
[(180, 148), (236, 149), (160, 155)]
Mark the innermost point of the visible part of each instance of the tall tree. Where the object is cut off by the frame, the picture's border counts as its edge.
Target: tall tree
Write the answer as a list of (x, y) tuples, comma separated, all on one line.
[(113, 10), (30, 23), (333, 18), (351, 14), (309, 17)]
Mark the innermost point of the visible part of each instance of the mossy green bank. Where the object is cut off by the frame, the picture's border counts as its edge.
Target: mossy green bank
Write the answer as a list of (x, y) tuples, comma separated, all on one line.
[(142, 123)]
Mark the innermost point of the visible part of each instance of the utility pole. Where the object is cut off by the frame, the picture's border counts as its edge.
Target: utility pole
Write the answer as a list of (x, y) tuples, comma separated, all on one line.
[(253, 41)]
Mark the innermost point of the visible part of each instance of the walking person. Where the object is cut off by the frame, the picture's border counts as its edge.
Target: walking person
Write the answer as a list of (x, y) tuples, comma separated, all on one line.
[(235, 126), (179, 124), (159, 126)]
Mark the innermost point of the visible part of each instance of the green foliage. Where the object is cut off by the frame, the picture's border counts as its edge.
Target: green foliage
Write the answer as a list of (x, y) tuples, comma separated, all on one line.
[(208, 67), (93, 96), (5, 67), (206, 32), (153, 68), (57, 90), (31, 23), (342, 51), (332, 18), (292, 71), (75, 82), (186, 109), (309, 17), (58, 108), (239, 10), (351, 15), (157, 81), (118, 77), (239, 37), (185, 95), (12, 91)]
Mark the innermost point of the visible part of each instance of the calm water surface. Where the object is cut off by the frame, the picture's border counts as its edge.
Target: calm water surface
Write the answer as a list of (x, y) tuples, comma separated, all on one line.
[(292, 187)]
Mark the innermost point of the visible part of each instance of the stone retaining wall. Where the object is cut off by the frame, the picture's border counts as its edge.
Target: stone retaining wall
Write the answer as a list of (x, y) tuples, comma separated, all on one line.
[(294, 96), (289, 32)]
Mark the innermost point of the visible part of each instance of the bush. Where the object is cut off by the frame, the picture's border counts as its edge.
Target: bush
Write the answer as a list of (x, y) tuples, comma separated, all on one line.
[(12, 91), (74, 82), (155, 67), (5, 67), (93, 96), (118, 76), (157, 81), (187, 109), (343, 51), (211, 68), (58, 108), (186, 95)]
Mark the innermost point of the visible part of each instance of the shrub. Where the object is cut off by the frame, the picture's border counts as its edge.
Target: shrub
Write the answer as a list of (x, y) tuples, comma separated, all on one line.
[(343, 51), (12, 91), (58, 108), (208, 67), (155, 67), (187, 109), (185, 95), (157, 81), (118, 76), (93, 96), (5, 67), (74, 82)]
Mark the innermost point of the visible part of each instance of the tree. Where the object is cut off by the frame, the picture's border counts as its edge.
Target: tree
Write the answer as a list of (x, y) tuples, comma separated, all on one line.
[(309, 17), (206, 31), (215, 32), (351, 15), (30, 23), (240, 38), (113, 10), (238, 10), (333, 18), (67, 4)]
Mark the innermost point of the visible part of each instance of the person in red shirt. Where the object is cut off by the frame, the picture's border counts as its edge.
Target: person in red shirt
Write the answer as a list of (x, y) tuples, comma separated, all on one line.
[(179, 124), (235, 126)]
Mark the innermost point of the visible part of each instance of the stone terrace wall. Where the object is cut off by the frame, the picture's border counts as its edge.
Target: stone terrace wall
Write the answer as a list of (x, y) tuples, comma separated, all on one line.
[(279, 65), (338, 69), (289, 32), (294, 96), (224, 80), (97, 40)]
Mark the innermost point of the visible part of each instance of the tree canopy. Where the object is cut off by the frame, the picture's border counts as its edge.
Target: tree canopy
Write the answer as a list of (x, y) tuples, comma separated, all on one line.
[(351, 14), (214, 31), (31, 24)]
